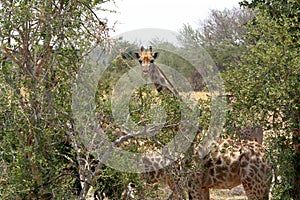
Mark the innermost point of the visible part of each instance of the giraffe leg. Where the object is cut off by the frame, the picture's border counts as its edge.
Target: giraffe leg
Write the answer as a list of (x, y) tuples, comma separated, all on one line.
[(256, 180), (177, 189), (171, 196), (256, 188), (176, 197), (268, 184), (199, 194)]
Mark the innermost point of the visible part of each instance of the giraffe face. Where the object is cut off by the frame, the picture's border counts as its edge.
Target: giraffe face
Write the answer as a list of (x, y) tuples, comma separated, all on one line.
[(146, 59)]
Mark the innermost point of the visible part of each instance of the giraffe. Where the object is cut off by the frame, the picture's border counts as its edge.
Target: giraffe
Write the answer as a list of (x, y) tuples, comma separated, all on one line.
[(229, 163), (157, 76)]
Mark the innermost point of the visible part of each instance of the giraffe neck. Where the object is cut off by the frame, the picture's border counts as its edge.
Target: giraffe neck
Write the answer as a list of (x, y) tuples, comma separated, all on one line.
[(160, 80)]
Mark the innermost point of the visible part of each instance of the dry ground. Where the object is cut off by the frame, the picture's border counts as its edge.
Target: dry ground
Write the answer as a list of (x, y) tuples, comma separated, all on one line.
[(236, 193)]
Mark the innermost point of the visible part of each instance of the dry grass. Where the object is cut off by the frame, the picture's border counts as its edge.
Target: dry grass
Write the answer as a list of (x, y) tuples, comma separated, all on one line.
[(202, 95), (236, 193), (195, 95)]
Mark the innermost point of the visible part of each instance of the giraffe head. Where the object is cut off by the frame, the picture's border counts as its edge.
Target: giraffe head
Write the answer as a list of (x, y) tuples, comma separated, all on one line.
[(146, 59)]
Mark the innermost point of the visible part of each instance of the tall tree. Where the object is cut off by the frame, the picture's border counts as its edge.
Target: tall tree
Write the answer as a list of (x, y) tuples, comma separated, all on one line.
[(267, 90), (42, 44), (287, 15), (275, 8), (222, 34), (278, 9)]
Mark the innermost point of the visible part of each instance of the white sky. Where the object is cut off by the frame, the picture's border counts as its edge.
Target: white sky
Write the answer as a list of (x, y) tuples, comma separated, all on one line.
[(163, 14)]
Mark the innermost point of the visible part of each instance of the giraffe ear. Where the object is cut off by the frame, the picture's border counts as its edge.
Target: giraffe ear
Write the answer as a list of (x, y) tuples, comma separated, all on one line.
[(150, 49), (137, 55), (155, 55)]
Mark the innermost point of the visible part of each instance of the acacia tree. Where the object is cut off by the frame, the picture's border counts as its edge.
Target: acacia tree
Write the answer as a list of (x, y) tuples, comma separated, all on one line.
[(222, 34), (260, 56), (267, 88), (275, 7), (42, 45), (286, 15)]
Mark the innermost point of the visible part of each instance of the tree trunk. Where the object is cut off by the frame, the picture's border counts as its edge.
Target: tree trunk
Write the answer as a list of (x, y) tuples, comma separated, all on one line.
[(296, 195), (296, 142)]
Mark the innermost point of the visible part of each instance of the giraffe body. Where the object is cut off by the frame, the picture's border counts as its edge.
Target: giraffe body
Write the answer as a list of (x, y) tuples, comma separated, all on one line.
[(228, 164)]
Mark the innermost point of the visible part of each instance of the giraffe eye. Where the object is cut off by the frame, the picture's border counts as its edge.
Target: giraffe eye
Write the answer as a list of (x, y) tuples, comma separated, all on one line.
[(152, 61), (140, 61)]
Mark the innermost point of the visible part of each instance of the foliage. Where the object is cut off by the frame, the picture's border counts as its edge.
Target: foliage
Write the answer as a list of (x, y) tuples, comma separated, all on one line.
[(266, 88), (144, 104), (275, 8), (278, 9), (42, 44), (42, 47), (112, 183), (257, 48), (222, 35)]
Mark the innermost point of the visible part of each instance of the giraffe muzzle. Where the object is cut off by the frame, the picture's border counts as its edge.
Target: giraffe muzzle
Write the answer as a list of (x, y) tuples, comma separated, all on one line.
[(145, 72)]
